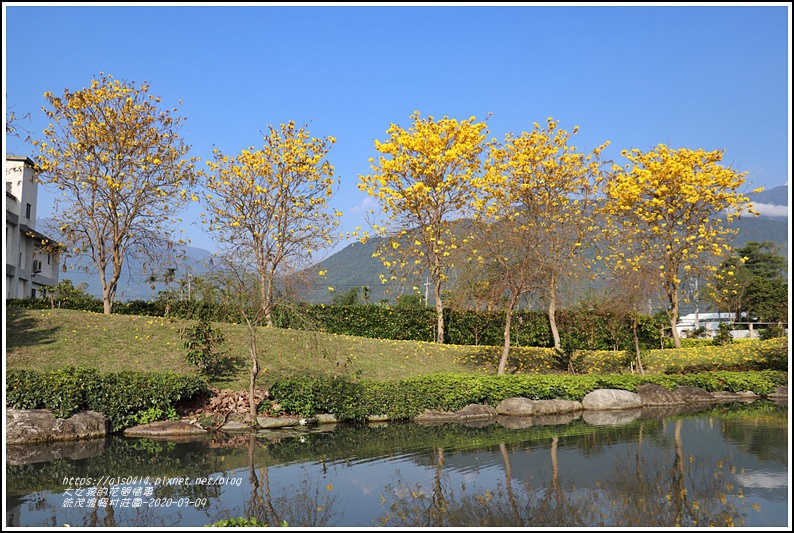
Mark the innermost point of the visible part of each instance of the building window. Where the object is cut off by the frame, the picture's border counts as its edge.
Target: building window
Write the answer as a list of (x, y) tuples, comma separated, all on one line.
[(32, 293), (19, 265), (48, 258), (27, 211)]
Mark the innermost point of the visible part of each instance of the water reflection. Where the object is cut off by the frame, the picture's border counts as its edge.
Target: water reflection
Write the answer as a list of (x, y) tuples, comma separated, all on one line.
[(726, 465)]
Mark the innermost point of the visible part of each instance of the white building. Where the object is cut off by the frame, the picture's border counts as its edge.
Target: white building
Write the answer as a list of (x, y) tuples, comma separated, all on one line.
[(710, 321), (31, 259)]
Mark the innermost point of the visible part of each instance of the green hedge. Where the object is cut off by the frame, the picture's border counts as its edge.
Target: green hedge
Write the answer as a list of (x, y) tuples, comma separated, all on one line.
[(119, 396), (357, 400), (578, 328)]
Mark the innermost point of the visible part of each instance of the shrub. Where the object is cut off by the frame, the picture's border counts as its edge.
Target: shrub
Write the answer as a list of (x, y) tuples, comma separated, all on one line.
[(723, 335), (405, 399), (772, 332), (154, 414), (202, 341), (124, 397)]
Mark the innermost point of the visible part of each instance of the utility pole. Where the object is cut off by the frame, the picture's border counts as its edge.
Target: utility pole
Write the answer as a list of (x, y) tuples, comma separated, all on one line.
[(697, 304), (427, 284), (189, 278)]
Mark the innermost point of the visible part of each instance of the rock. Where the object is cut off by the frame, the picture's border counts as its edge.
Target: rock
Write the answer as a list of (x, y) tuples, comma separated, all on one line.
[(613, 417), (652, 394), (468, 415), (527, 407), (40, 425), (271, 422), (164, 428), (429, 415), (690, 394), (476, 412), (781, 391), (235, 426), (608, 399), (378, 418), (727, 396), (326, 418)]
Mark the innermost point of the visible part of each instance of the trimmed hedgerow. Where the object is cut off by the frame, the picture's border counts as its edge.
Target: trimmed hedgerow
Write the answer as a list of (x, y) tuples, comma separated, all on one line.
[(357, 400), (584, 329), (120, 396)]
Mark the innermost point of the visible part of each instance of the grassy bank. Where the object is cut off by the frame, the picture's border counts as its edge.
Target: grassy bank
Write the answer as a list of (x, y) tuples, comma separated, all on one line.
[(53, 338)]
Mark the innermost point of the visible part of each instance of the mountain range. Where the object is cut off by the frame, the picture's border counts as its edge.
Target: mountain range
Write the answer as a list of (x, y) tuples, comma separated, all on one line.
[(354, 267)]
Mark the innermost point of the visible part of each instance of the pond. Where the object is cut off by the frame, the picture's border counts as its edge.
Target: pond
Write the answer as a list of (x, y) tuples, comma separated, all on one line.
[(716, 465)]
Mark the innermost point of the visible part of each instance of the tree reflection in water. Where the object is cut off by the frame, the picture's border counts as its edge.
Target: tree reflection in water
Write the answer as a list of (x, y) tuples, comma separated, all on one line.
[(305, 505), (685, 471), (501, 506), (642, 492), (687, 493)]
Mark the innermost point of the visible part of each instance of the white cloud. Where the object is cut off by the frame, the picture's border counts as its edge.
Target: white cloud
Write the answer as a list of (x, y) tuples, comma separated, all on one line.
[(763, 479), (771, 210), (368, 201)]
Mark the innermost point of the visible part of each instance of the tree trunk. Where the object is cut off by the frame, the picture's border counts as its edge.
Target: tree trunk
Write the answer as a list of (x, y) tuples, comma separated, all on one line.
[(673, 314), (251, 417), (552, 309), (637, 345), (439, 313), (266, 293), (506, 348)]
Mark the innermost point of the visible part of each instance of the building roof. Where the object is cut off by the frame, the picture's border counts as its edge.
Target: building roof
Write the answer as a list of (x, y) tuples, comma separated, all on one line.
[(25, 159)]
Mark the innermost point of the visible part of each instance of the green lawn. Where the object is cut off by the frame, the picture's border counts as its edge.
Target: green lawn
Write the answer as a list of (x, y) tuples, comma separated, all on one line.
[(53, 338)]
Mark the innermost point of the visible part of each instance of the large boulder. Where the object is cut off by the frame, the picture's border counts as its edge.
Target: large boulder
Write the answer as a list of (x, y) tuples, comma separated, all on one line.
[(41, 425), (729, 396), (476, 412), (527, 407), (273, 422), (653, 394), (690, 394), (470, 414), (608, 399)]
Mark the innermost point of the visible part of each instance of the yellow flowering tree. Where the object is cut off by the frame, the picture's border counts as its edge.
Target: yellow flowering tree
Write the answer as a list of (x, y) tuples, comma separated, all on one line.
[(269, 207), (543, 193), (675, 207), (117, 158), (424, 181)]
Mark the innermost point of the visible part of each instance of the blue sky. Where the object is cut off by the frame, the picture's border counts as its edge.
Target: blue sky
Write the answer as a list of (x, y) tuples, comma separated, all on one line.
[(712, 77)]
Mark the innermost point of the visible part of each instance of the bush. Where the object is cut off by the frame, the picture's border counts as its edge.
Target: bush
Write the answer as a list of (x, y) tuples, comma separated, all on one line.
[(153, 414), (772, 332), (405, 399), (723, 335), (124, 398), (202, 341), (583, 328)]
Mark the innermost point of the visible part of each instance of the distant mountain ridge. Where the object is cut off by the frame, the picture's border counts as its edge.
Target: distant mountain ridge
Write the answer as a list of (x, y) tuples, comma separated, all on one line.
[(353, 266), (772, 203), (774, 196)]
